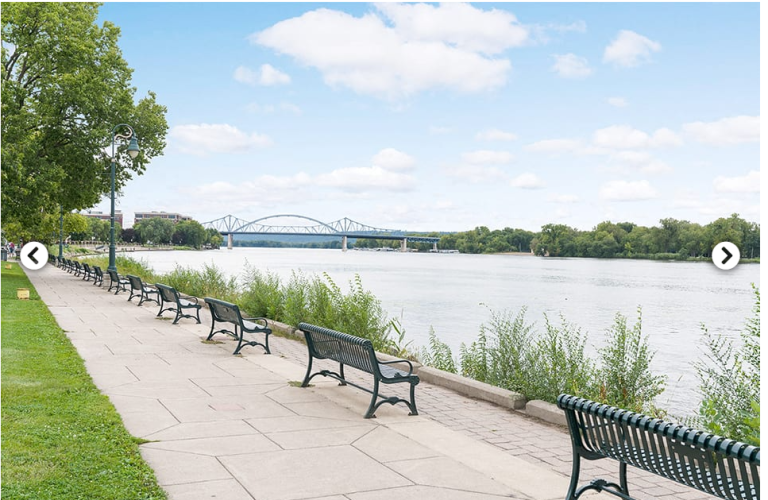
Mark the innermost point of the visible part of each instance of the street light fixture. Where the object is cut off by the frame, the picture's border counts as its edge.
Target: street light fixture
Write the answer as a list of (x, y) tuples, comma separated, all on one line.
[(133, 151)]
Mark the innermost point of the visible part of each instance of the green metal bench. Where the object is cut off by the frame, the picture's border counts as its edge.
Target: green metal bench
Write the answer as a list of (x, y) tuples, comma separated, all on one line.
[(169, 295), (721, 467), (78, 268), (98, 276), (117, 282), (225, 312), (357, 352), (87, 272), (142, 290)]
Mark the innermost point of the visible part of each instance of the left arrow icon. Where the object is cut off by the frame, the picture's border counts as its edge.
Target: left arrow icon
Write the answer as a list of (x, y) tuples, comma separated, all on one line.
[(33, 255)]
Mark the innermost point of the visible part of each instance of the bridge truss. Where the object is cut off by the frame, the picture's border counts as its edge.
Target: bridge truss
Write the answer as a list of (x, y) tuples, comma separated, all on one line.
[(231, 225)]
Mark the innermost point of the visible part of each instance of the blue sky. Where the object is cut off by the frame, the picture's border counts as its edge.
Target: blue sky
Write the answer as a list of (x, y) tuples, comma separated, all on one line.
[(449, 116)]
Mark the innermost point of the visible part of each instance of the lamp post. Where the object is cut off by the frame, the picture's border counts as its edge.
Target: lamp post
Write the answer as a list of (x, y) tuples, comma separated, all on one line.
[(61, 234), (133, 151)]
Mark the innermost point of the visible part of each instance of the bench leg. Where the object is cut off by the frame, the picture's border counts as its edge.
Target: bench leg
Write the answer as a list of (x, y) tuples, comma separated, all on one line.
[(307, 378), (372, 406), (342, 382), (574, 477), (213, 325), (623, 477), (178, 315), (414, 411)]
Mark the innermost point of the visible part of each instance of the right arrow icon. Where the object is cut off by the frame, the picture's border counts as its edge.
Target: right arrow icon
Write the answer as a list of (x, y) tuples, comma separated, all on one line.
[(725, 255)]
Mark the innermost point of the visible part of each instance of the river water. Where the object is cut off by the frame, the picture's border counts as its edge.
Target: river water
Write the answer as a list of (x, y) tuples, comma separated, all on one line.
[(453, 294)]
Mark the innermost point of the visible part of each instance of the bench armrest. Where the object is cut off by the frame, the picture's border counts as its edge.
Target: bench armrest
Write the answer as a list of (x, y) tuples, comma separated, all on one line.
[(266, 323), (188, 297), (410, 365)]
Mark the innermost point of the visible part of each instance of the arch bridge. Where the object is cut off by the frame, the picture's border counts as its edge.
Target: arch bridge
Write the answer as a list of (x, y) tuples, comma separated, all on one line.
[(345, 228)]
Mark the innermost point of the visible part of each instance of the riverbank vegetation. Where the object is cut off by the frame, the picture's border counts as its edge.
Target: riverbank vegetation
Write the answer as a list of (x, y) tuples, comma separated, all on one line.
[(62, 438), (509, 351), (672, 239)]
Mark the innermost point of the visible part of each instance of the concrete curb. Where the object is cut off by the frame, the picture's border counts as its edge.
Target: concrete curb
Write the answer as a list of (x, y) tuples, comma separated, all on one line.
[(472, 388), (547, 412)]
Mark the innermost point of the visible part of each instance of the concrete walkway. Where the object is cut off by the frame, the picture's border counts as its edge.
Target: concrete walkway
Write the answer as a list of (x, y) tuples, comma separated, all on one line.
[(235, 427)]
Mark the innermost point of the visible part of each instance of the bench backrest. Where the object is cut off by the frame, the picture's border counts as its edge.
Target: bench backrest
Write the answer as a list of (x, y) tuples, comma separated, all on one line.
[(168, 293), (710, 463), (87, 268), (97, 270), (224, 311), (113, 276), (135, 282), (342, 347)]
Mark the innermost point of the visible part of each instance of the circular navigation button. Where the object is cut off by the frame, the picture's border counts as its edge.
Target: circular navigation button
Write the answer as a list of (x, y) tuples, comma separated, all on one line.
[(726, 255), (33, 255)]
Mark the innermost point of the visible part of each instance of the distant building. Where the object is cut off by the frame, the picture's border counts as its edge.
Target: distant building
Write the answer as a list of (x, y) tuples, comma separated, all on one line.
[(140, 216), (106, 217)]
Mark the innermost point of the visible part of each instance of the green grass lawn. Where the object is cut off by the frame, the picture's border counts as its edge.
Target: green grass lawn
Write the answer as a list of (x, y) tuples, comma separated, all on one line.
[(61, 438)]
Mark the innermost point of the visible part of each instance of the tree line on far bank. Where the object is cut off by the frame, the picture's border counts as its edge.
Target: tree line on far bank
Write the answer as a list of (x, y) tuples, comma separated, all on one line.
[(154, 231), (671, 239)]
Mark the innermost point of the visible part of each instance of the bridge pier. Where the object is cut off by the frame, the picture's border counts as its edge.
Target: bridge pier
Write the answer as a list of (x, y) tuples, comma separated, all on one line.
[(343, 243), (434, 247), (230, 240), (404, 245)]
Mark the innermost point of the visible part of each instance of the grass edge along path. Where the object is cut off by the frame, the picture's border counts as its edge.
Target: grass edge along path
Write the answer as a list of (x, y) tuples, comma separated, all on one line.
[(61, 438)]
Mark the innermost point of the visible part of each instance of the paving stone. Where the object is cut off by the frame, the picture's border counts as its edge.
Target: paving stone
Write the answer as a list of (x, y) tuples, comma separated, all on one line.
[(298, 474), (218, 446), (227, 489)]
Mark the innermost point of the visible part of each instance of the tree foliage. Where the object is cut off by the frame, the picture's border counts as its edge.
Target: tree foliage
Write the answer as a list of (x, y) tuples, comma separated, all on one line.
[(65, 86), (671, 239)]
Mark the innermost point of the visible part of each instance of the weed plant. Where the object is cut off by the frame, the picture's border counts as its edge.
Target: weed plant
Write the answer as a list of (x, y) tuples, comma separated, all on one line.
[(509, 353), (208, 282), (729, 378)]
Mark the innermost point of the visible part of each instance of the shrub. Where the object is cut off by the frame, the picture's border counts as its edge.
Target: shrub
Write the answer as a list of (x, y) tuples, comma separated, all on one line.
[(558, 363), (730, 382), (438, 354), (625, 376), (262, 295), (208, 282)]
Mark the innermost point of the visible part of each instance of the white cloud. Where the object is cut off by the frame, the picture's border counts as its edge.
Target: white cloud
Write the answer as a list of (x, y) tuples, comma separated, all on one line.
[(494, 134), (403, 55), (554, 146), (571, 66), (475, 174), (665, 137), (626, 137), (358, 179), (749, 183), (630, 49), (620, 137), (215, 138), (725, 132), (485, 157), (627, 191), (618, 102), (267, 76), (527, 181), (458, 24), (563, 198), (642, 161), (392, 159)]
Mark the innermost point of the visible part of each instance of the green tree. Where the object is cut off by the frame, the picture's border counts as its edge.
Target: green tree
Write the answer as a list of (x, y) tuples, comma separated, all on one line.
[(213, 238), (156, 230), (191, 232), (65, 86)]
